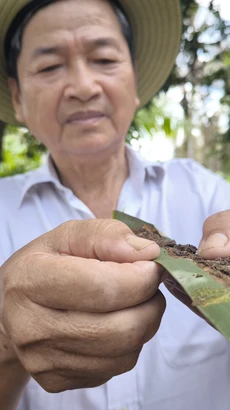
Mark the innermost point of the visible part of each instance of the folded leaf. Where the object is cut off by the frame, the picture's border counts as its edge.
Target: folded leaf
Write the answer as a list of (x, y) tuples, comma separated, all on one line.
[(210, 295)]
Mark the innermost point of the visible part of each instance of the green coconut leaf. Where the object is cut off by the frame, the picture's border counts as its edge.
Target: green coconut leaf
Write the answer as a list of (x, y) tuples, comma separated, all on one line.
[(210, 297)]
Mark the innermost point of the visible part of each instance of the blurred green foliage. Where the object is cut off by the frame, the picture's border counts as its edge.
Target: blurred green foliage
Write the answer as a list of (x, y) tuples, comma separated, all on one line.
[(201, 74), (21, 152)]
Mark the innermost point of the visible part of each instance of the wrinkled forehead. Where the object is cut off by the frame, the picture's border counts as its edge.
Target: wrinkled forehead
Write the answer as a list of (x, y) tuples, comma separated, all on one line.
[(50, 6), (64, 12), (61, 22)]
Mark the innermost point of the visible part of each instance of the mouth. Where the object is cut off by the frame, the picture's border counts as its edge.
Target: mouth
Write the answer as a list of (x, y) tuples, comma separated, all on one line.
[(86, 117)]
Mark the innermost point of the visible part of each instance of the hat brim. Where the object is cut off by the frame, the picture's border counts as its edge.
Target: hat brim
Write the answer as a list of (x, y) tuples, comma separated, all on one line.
[(156, 26)]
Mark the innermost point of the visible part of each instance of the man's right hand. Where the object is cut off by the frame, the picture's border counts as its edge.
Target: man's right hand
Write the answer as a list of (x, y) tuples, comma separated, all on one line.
[(79, 303)]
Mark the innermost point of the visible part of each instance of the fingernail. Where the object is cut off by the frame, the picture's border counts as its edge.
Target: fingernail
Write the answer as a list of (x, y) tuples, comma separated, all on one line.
[(138, 243), (217, 240)]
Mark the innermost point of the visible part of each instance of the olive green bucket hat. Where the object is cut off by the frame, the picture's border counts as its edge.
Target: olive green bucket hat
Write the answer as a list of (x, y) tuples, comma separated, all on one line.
[(156, 26)]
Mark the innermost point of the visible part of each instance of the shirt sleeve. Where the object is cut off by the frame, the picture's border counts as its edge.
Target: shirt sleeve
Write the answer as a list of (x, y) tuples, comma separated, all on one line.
[(214, 189), (7, 201)]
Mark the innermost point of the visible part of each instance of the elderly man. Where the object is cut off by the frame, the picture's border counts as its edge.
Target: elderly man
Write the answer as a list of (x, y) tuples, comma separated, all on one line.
[(80, 302)]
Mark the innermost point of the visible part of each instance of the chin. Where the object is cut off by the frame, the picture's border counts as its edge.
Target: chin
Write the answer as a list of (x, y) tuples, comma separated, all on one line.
[(91, 150)]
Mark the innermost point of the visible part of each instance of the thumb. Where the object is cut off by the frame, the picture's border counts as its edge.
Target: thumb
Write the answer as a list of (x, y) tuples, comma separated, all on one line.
[(106, 240), (215, 242)]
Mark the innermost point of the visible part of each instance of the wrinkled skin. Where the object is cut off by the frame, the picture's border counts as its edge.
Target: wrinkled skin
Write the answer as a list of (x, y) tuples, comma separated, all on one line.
[(72, 320), (78, 96), (214, 244), (78, 303), (75, 59)]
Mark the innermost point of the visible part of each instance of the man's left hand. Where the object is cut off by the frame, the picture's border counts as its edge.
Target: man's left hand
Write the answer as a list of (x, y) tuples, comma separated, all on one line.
[(215, 243)]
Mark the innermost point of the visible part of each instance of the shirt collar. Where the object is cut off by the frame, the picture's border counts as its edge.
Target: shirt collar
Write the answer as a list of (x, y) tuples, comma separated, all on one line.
[(44, 174), (139, 168)]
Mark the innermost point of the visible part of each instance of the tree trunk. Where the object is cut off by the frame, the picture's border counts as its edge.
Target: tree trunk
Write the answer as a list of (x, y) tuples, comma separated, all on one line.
[(2, 130)]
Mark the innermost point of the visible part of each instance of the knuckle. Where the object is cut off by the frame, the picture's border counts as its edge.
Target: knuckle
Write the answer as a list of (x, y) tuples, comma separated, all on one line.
[(161, 301), (68, 225), (19, 278), (89, 382), (106, 291), (53, 382), (37, 360), (93, 335), (105, 368), (110, 226), (149, 320), (149, 279), (136, 334), (107, 230), (16, 318), (129, 362), (13, 272), (116, 366), (26, 330), (20, 338), (217, 221)]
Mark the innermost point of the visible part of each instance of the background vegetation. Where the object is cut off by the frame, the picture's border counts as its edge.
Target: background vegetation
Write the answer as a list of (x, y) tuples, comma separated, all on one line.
[(192, 109)]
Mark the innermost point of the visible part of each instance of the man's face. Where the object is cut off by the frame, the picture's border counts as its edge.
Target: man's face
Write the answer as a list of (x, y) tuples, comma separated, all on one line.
[(77, 85)]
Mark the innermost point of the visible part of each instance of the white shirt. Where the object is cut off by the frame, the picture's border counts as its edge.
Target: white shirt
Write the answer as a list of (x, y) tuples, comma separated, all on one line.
[(186, 366)]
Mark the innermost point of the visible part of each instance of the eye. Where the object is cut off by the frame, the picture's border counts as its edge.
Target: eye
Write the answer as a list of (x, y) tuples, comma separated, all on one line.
[(50, 68), (105, 61)]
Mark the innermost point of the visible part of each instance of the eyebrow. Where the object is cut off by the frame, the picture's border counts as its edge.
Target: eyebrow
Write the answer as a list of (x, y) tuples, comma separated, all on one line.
[(95, 43), (43, 51), (104, 42)]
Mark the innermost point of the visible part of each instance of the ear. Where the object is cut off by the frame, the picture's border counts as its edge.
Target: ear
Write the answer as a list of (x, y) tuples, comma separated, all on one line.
[(137, 102), (137, 99), (16, 99)]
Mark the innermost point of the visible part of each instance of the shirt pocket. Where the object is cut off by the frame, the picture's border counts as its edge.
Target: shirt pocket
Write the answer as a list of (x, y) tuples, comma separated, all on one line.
[(185, 339)]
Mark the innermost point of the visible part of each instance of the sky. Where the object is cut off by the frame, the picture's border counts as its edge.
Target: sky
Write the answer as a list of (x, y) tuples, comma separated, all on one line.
[(160, 147), (224, 8), (223, 4)]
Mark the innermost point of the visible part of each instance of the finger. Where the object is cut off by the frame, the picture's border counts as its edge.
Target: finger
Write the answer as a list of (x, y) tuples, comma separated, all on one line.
[(112, 334), (41, 361), (53, 382), (106, 240), (176, 290), (87, 285), (215, 242)]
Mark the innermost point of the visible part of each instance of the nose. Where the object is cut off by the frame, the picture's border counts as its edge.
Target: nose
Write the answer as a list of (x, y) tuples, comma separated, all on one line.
[(82, 83)]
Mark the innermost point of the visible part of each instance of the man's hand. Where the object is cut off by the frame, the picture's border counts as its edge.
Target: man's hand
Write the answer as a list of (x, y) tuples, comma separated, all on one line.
[(215, 243), (80, 302)]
